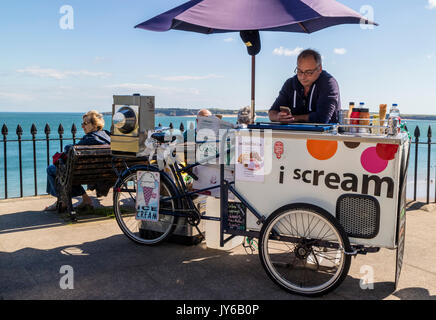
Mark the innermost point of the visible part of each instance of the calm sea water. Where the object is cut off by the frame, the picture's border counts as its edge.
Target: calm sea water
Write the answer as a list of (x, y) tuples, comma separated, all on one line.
[(40, 120)]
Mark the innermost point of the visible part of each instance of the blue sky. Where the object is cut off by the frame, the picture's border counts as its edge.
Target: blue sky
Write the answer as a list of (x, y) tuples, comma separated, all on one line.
[(44, 67)]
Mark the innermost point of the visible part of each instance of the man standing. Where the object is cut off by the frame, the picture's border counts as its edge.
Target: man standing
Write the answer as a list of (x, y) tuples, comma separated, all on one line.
[(312, 95), (200, 113)]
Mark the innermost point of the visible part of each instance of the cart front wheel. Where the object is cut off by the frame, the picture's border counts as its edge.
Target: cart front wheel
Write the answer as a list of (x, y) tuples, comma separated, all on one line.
[(302, 248)]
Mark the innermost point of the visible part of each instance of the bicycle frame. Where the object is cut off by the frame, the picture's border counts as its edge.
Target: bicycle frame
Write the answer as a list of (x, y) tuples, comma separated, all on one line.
[(225, 187)]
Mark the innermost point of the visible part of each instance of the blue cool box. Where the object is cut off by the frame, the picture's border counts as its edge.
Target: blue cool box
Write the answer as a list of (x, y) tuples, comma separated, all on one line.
[(291, 127)]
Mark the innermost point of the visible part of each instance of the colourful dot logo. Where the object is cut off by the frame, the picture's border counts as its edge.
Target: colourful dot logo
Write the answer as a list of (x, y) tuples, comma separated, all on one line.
[(376, 159), (278, 149), (351, 145), (386, 151), (322, 149)]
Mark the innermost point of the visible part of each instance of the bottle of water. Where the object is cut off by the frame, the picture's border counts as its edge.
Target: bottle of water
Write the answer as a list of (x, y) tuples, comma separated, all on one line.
[(394, 119), (395, 111)]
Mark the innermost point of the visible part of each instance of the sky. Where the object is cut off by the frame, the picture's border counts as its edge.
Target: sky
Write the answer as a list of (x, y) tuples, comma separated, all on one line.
[(49, 63)]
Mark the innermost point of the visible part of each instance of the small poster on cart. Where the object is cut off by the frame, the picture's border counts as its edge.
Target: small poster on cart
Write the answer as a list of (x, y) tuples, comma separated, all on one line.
[(147, 196), (250, 159)]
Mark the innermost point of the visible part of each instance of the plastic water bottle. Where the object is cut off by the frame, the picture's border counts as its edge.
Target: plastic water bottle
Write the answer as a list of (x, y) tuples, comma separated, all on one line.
[(395, 111), (394, 119)]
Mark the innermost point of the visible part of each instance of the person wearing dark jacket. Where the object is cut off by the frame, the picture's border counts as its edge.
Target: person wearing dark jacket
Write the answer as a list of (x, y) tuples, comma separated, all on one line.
[(93, 124), (312, 95)]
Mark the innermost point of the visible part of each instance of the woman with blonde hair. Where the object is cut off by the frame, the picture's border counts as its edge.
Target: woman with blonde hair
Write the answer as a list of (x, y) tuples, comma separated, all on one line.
[(92, 125)]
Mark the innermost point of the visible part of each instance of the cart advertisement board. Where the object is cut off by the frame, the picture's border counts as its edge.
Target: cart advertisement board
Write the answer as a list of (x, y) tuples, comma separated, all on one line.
[(147, 196)]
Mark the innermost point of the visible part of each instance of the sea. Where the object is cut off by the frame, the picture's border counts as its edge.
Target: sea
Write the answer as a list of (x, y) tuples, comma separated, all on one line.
[(39, 120)]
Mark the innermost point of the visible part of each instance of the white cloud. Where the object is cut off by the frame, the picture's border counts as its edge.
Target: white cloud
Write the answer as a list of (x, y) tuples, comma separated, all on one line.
[(431, 4), (150, 87), (136, 86), (16, 97), (340, 51), (287, 52), (57, 74), (99, 59), (229, 39), (185, 77)]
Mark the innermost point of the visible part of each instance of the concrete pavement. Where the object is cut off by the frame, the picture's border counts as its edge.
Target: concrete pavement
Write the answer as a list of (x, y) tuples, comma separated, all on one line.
[(37, 249)]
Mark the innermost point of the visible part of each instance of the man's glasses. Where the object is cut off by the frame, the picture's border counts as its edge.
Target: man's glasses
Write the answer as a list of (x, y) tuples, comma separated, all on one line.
[(306, 73), (84, 123)]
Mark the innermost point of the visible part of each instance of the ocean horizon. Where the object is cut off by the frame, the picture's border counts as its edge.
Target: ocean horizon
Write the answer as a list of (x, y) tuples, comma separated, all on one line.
[(26, 120)]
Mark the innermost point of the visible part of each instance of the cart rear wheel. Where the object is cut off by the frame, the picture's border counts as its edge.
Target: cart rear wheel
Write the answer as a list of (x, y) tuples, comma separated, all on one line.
[(143, 232), (302, 249)]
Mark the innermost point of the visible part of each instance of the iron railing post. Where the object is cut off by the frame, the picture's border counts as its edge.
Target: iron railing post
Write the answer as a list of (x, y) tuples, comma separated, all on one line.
[(20, 158), (417, 134), (5, 133), (33, 131), (61, 133), (47, 139), (73, 132), (428, 163)]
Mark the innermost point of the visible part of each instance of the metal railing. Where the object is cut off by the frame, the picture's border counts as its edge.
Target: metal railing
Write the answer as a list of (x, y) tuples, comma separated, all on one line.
[(33, 140), (60, 137)]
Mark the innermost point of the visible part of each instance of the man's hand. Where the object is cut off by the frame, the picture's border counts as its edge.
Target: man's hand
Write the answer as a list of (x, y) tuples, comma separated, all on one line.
[(285, 117), (302, 118), (281, 116)]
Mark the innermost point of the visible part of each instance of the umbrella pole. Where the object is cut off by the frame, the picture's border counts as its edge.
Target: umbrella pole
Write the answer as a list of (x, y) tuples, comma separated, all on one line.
[(253, 77)]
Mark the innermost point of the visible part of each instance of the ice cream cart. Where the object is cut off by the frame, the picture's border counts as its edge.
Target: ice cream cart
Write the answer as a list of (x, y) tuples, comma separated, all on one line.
[(315, 197), (312, 194)]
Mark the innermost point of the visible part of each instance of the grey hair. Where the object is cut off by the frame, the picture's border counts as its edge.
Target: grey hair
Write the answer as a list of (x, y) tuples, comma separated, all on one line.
[(310, 53), (244, 115)]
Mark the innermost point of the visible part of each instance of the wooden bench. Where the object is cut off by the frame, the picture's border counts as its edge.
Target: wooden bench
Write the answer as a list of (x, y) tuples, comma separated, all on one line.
[(90, 165)]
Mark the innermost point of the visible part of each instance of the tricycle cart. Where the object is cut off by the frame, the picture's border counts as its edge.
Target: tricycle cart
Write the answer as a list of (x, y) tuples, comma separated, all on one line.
[(313, 197)]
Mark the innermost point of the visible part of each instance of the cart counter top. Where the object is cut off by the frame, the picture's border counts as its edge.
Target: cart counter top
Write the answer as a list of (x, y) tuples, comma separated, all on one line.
[(326, 132)]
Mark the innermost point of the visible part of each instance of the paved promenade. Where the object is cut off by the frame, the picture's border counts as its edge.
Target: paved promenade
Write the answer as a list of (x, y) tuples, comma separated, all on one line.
[(35, 247)]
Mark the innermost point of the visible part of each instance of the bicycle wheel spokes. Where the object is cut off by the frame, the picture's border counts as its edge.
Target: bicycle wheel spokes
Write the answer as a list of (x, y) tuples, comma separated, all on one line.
[(303, 251), (143, 232), (125, 205)]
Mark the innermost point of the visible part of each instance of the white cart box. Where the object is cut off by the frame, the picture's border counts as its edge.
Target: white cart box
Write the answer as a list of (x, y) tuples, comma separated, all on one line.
[(209, 175), (356, 176)]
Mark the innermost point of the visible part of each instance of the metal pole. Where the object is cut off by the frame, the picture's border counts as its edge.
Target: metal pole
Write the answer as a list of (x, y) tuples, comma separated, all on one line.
[(417, 134), (253, 78), (61, 133), (33, 131), (73, 132), (5, 133), (428, 164), (47, 139), (20, 158)]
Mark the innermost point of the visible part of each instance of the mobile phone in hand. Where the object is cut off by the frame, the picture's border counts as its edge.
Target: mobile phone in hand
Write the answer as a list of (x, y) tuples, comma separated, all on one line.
[(285, 109)]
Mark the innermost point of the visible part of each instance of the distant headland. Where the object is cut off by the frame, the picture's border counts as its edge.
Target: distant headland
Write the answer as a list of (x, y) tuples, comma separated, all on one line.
[(185, 112)]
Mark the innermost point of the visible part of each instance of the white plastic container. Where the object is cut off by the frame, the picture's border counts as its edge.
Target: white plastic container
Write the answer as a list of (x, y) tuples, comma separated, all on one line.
[(209, 176), (212, 228)]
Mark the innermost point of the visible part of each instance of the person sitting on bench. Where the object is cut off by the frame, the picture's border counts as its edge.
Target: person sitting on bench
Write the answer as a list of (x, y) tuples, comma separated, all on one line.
[(93, 124)]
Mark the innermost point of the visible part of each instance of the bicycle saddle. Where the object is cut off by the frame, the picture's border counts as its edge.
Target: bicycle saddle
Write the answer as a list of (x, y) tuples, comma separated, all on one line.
[(160, 137)]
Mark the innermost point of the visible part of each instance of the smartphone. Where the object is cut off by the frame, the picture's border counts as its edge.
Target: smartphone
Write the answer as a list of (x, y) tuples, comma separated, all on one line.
[(285, 109)]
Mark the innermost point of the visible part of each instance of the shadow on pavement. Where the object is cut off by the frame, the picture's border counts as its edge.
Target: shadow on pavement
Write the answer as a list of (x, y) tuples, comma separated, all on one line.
[(29, 220), (116, 268)]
